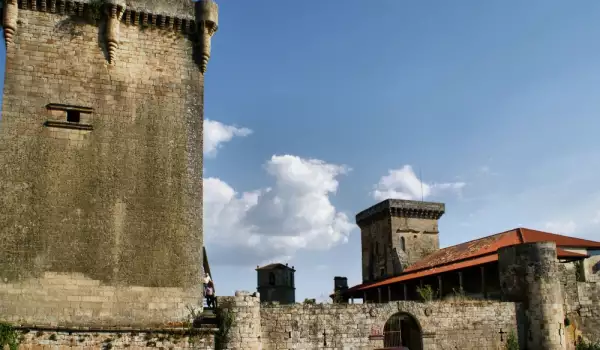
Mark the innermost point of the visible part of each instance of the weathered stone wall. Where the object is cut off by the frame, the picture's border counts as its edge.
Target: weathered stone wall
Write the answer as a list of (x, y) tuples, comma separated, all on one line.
[(567, 274), (375, 248), (420, 235), (391, 244), (245, 311), (462, 325), (101, 225), (581, 304), (591, 267), (38, 339), (588, 310)]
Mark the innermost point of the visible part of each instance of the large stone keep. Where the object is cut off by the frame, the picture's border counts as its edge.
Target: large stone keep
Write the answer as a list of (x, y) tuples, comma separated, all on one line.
[(101, 161)]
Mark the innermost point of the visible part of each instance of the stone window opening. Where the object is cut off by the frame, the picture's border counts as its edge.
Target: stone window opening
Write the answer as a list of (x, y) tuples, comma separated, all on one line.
[(73, 116), (271, 278), (69, 117), (403, 244)]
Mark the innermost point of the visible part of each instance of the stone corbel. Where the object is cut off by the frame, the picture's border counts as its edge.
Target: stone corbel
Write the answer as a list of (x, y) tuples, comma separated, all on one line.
[(114, 12), (207, 20), (9, 20)]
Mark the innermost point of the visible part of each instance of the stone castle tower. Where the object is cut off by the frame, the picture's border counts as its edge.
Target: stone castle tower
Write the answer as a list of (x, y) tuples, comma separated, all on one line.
[(396, 233), (101, 161), (275, 282)]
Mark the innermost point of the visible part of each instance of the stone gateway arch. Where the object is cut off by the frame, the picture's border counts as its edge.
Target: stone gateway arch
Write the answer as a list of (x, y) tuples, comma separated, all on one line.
[(402, 329)]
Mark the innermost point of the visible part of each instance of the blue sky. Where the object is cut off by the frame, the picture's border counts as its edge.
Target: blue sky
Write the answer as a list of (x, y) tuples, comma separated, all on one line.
[(316, 112)]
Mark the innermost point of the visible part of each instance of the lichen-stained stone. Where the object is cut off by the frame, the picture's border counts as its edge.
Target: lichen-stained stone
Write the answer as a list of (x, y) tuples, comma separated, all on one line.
[(101, 214)]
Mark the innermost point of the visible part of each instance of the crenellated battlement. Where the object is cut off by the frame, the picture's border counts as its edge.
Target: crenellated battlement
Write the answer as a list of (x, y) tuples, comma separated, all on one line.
[(197, 20), (173, 15)]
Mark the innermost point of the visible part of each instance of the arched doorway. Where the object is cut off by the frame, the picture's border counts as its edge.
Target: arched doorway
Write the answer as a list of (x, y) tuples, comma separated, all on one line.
[(402, 329)]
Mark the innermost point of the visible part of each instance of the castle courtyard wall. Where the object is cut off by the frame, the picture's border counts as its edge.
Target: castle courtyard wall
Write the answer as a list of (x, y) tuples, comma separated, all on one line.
[(581, 304), (445, 325), (587, 314)]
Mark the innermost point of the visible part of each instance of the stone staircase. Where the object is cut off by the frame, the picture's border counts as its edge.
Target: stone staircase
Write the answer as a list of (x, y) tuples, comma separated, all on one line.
[(208, 319)]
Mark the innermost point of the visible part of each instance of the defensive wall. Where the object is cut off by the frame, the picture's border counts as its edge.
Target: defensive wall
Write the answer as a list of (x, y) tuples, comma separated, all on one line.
[(443, 325)]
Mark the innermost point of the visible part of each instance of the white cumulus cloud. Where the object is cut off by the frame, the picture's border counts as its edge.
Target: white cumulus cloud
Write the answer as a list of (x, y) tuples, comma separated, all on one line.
[(217, 133), (275, 222), (404, 184)]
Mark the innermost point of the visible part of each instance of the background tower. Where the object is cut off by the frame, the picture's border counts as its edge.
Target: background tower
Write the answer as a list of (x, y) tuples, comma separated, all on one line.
[(101, 161), (275, 282), (396, 233), (340, 287)]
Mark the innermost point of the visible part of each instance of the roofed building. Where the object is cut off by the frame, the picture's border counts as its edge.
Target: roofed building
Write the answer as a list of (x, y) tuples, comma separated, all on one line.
[(275, 283), (402, 231), (396, 233)]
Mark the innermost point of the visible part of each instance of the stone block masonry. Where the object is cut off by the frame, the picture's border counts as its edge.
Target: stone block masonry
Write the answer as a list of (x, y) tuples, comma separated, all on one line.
[(100, 167), (444, 325), (588, 310), (41, 339)]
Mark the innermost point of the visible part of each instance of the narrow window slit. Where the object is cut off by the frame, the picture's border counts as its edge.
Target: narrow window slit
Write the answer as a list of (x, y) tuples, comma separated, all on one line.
[(73, 116)]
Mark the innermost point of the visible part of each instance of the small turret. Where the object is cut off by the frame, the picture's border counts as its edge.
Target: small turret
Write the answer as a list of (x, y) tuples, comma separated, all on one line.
[(207, 20), (114, 12), (9, 20)]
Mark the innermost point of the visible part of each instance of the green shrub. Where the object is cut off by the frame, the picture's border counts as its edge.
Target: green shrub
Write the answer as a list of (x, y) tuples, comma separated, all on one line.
[(8, 336), (511, 342), (426, 293), (584, 345)]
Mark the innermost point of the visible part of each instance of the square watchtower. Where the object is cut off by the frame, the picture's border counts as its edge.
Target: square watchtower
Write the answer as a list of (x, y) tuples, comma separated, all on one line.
[(397, 233)]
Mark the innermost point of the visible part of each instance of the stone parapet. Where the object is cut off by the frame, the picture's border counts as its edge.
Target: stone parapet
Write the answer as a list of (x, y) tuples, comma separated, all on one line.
[(245, 330), (402, 208)]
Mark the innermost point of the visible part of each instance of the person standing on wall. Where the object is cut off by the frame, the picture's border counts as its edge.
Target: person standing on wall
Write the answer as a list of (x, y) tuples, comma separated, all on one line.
[(206, 279), (210, 295)]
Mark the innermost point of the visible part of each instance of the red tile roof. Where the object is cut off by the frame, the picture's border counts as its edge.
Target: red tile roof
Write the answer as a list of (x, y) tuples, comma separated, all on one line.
[(491, 244), (479, 252)]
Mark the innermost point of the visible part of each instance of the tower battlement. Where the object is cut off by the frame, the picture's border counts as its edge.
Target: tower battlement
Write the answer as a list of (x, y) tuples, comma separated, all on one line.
[(396, 233), (402, 208), (198, 20)]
